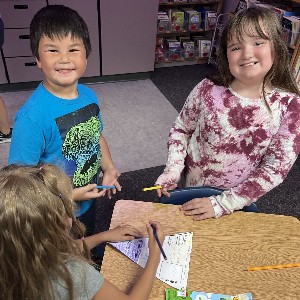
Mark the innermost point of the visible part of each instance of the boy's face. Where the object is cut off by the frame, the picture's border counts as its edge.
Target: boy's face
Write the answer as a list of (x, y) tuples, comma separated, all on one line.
[(251, 59), (63, 61)]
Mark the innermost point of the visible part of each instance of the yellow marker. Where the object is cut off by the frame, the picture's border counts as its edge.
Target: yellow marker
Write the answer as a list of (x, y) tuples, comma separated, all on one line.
[(273, 267), (152, 188)]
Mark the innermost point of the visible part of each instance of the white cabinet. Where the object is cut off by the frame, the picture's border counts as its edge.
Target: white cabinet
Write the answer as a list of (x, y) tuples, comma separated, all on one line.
[(122, 34), (128, 35), (88, 10), (16, 16), (23, 69), (16, 42), (3, 78)]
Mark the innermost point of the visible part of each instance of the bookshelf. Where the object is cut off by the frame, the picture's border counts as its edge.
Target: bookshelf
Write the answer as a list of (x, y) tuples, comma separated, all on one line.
[(291, 29), (183, 31), (295, 61)]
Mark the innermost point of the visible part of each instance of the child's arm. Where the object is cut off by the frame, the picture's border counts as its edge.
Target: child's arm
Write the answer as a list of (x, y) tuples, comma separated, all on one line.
[(110, 173), (142, 289), (110, 176), (178, 142), (4, 121), (118, 234), (87, 192)]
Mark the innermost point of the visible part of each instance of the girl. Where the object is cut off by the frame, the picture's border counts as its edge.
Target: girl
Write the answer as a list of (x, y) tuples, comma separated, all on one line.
[(239, 131), (39, 257)]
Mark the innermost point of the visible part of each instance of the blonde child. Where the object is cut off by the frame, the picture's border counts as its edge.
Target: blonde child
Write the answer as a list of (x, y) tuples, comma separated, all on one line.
[(39, 257), (239, 131)]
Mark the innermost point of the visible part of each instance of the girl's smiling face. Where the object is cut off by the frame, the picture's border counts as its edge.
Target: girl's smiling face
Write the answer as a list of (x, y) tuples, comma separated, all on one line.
[(249, 58)]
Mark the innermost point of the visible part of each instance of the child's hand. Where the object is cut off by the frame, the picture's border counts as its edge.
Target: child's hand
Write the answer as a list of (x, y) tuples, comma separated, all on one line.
[(87, 192), (123, 233), (110, 177), (165, 189), (153, 246), (200, 208)]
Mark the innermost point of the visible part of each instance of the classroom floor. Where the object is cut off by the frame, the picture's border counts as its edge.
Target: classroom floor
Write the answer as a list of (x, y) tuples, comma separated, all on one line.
[(137, 117)]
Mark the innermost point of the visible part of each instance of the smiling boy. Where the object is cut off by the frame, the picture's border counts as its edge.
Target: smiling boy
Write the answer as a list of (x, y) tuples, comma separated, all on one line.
[(60, 123)]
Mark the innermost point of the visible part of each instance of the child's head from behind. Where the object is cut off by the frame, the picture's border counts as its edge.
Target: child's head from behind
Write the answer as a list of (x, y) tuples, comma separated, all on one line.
[(254, 22), (35, 207), (57, 22)]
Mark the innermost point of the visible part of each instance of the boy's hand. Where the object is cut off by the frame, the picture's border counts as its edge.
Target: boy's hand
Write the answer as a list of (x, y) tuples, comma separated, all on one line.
[(87, 192), (110, 177), (123, 232), (200, 208)]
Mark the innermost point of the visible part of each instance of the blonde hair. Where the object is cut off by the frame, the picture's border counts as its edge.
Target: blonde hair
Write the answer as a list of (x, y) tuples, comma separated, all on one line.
[(264, 22), (35, 243)]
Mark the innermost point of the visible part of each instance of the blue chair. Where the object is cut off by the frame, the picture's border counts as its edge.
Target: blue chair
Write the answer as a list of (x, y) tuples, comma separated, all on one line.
[(182, 195)]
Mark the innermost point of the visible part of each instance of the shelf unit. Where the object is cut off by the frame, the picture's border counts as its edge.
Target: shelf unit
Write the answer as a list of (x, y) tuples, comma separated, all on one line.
[(163, 58), (291, 5), (221, 22), (288, 5)]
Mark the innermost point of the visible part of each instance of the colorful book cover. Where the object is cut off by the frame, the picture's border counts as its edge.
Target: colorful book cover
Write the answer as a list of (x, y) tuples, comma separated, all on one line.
[(172, 294)]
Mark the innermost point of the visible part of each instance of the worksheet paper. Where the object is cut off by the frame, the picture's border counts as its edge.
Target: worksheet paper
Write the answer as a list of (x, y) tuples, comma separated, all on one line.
[(173, 271)]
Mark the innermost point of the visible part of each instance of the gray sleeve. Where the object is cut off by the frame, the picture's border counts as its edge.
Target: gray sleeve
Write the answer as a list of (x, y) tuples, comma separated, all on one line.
[(87, 281)]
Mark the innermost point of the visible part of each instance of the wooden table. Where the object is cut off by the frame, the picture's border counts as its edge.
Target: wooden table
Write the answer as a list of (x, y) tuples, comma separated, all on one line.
[(222, 249)]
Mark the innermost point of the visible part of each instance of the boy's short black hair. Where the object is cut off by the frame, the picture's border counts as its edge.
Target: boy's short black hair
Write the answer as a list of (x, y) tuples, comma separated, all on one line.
[(57, 21)]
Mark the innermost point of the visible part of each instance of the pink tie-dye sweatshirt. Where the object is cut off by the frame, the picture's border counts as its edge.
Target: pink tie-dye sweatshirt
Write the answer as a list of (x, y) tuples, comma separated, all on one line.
[(242, 145)]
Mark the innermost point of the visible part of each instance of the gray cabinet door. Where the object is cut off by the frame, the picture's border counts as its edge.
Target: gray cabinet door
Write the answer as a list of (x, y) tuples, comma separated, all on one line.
[(128, 35), (16, 16), (2, 72)]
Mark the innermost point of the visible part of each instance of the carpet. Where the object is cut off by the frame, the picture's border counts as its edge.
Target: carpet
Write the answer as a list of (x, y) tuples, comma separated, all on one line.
[(137, 118)]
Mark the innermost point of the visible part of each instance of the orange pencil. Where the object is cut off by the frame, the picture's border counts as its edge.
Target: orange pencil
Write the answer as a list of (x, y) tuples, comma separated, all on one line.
[(260, 268)]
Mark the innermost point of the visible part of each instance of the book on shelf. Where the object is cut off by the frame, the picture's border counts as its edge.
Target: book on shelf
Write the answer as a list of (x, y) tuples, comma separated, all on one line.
[(291, 26), (295, 62)]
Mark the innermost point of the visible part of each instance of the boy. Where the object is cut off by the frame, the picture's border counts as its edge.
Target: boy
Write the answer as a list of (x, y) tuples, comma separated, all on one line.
[(60, 123)]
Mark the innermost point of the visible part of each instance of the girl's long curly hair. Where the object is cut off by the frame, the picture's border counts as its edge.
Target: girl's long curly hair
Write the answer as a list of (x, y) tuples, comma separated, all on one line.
[(263, 22), (35, 241)]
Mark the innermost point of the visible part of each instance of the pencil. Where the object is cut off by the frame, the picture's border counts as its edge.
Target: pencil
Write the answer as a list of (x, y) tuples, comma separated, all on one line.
[(260, 268), (152, 188), (105, 186), (158, 242)]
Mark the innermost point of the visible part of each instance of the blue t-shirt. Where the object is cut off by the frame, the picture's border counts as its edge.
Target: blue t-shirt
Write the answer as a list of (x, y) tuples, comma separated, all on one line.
[(66, 133)]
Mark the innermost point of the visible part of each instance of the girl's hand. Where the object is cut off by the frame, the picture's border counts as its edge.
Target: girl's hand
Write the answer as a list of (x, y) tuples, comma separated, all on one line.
[(87, 192), (153, 246), (123, 232), (110, 177), (165, 189), (200, 208)]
